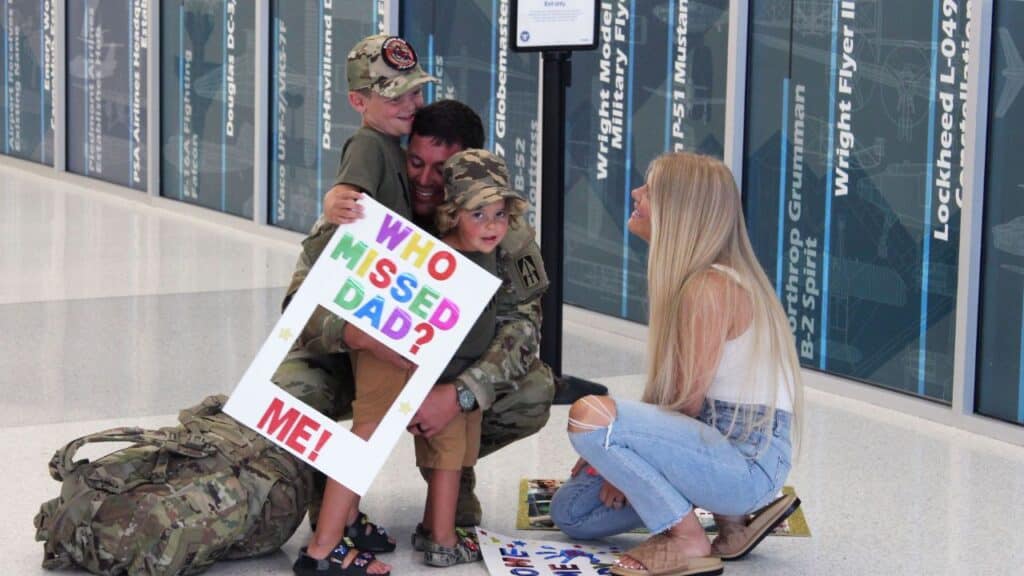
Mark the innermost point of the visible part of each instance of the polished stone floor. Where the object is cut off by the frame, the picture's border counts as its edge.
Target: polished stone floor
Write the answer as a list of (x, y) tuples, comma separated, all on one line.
[(117, 312)]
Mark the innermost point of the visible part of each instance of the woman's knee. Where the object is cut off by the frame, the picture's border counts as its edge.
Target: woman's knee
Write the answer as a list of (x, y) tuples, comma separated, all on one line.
[(565, 500), (563, 517), (559, 509), (591, 412), (578, 531)]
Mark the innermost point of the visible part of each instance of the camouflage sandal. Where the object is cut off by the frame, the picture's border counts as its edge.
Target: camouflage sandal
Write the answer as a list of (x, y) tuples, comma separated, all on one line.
[(421, 536), (366, 535), (466, 550), (334, 564)]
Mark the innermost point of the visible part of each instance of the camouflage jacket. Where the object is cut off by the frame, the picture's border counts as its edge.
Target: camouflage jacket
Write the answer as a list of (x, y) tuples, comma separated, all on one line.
[(516, 343)]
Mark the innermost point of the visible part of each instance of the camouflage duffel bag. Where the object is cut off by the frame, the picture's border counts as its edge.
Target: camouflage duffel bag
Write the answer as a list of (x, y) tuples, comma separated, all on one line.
[(177, 500)]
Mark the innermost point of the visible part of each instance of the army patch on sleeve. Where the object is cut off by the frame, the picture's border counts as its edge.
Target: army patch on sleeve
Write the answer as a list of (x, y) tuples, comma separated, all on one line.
[(528, 271), (398, 54)]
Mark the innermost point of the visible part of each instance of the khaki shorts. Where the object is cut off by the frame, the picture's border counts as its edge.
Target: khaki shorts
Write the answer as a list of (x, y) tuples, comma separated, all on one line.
[(453, 448), (378, 384)]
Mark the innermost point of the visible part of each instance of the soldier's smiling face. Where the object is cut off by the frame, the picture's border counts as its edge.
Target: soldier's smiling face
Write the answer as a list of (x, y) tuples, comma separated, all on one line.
[(424, 160)]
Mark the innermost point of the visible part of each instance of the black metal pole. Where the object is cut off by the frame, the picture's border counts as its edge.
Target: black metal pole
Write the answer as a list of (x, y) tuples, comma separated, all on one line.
[(552, 229), (557, 77)]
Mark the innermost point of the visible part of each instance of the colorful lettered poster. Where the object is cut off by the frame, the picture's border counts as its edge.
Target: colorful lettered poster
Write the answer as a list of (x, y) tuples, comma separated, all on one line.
[(310, 117), (1000, 383), (508, 556), (853, 180), (401, 286), (30, 59), (207, 109), (107, 45)]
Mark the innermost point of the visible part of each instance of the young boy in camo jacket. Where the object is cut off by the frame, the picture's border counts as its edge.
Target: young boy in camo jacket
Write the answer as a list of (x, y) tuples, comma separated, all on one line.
[(479, 209)]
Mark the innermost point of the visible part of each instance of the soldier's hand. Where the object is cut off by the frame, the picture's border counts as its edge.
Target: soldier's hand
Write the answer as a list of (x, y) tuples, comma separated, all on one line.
[(356, 339), (437, 410), (341, 204)]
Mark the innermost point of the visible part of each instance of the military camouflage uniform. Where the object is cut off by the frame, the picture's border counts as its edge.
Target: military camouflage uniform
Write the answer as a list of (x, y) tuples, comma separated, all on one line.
[(513, 387)]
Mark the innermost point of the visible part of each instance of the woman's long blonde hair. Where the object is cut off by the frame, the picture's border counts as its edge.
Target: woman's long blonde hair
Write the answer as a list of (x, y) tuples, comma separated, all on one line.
[(697, 220)]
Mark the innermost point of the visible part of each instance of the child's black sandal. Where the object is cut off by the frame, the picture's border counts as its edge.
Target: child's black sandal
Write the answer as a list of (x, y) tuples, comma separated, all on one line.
[(366, 535), (334, 563), (420, 538)]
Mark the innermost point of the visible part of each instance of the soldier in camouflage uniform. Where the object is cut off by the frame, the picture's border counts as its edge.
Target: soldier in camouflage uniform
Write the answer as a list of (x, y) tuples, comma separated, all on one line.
[(512, 386)]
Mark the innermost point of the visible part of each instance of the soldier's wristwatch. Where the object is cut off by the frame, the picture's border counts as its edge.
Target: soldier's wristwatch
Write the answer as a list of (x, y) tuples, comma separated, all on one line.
[(465, 397)]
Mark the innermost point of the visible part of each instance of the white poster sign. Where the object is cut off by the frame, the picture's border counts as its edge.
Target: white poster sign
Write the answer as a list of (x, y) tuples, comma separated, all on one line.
[(555, 24), (401, 286), (507, 556)]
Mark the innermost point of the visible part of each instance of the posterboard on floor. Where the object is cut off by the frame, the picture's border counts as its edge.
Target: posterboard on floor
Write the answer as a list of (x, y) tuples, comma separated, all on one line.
[(535, 501), (508, 556), (399, 285)]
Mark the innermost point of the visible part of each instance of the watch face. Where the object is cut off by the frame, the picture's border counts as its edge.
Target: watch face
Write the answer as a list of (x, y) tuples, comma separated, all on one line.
[(466, 398)]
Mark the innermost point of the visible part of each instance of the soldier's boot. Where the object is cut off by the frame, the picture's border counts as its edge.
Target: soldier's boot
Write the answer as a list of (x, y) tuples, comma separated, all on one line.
[(467, 510), (569, 389)]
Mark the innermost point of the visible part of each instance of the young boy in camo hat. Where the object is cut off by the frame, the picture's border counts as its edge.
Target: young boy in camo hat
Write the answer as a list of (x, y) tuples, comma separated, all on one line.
[(478, 210), (385, 86)]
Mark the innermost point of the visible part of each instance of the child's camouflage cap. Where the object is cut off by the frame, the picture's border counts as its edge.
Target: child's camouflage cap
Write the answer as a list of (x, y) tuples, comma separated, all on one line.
[(386, 65), (475, 178)]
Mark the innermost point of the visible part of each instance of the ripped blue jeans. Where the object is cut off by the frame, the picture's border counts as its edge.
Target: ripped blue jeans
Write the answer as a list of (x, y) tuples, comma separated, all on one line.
[(665, 463)]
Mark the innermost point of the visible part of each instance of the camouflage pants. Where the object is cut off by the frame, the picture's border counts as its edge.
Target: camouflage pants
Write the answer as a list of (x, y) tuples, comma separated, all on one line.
[(521, 408)]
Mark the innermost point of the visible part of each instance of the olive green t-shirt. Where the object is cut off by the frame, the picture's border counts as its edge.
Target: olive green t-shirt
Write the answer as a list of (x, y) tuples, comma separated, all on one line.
[(375, 163), (482, 333)]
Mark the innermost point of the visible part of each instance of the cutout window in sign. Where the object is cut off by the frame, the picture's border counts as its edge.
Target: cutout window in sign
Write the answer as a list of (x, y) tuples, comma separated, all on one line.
[(402, 287)]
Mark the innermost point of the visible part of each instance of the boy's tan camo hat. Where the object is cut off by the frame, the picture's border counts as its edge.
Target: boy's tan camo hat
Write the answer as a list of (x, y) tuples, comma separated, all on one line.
[(475, 178), (386, 65)]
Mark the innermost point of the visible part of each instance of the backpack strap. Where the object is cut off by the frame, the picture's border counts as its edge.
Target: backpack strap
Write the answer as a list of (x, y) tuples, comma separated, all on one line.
[(173, 440), (235, 441), (210, 406)]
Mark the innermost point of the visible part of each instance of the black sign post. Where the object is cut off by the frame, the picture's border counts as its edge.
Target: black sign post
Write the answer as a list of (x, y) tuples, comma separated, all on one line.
[(557, 69), (555, 29)]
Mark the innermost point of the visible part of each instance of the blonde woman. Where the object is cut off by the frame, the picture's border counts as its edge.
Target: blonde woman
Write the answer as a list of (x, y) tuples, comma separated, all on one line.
[(723, 390)]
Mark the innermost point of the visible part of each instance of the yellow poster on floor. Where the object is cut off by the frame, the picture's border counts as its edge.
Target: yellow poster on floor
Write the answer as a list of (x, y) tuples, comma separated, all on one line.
[(535, 502)]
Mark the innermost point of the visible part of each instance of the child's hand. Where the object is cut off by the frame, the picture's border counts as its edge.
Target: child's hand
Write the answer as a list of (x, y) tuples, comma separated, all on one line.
[(341, 204)]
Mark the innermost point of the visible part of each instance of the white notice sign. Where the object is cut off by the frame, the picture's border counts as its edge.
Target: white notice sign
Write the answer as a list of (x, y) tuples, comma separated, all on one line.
[(555, 24)]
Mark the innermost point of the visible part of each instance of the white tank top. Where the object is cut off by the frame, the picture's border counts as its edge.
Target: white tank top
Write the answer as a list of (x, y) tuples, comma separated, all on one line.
[(731, 381)]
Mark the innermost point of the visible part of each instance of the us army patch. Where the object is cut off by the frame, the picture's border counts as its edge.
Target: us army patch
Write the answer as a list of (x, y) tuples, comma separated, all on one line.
[(528, 271)]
